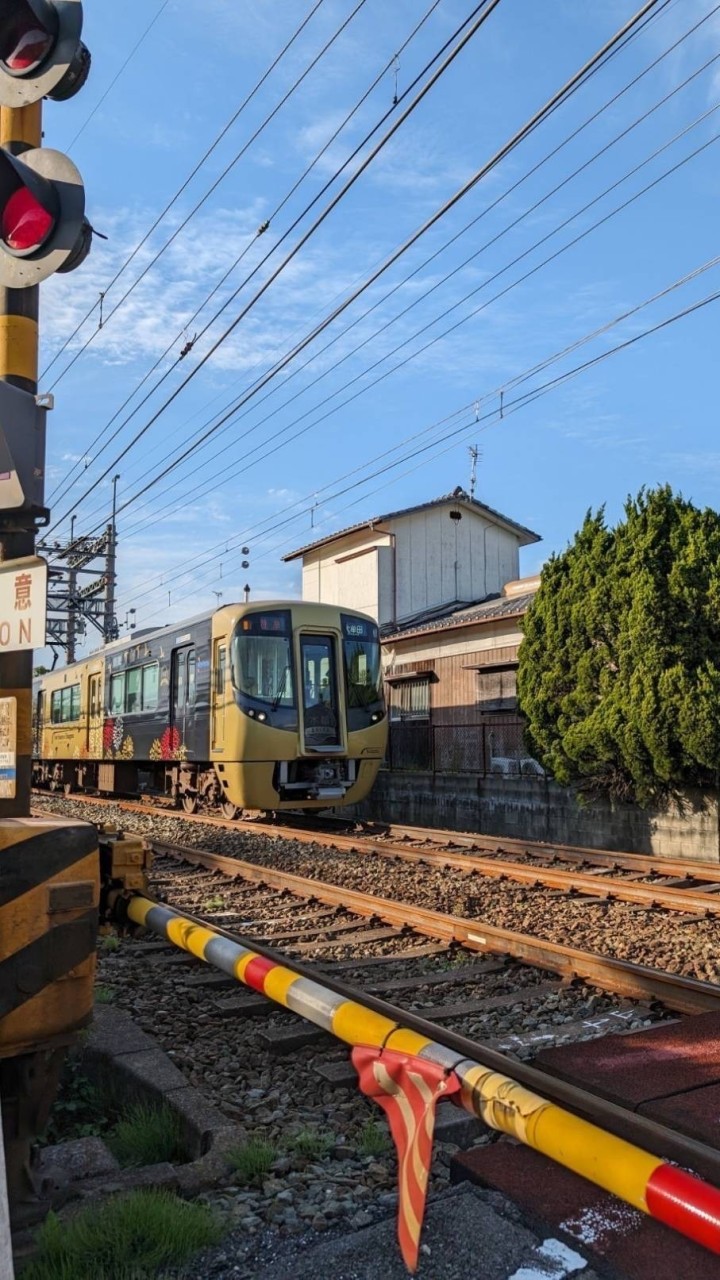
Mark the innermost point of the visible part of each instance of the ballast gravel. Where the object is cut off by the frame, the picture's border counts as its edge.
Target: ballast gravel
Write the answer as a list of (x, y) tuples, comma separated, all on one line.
[(326, 1200)]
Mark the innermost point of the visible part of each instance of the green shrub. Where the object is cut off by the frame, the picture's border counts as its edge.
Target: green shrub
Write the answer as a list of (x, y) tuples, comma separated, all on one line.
[(128, 1238)]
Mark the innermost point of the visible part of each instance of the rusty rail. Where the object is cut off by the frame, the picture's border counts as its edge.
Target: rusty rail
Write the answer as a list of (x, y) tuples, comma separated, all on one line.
[(685, 995)]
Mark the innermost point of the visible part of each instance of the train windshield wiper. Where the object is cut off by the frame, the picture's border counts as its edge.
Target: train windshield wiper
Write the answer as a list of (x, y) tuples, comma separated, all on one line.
[(281, 690)]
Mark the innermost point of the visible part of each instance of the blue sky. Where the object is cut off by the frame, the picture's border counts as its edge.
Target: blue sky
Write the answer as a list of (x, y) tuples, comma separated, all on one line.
[(271, 476)]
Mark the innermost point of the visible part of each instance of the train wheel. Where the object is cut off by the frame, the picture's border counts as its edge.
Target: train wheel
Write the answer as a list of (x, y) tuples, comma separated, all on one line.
[(189, 803), (230, 810)]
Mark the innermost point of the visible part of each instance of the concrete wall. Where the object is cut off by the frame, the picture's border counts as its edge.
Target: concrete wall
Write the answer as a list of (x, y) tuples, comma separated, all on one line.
[(539, 809)]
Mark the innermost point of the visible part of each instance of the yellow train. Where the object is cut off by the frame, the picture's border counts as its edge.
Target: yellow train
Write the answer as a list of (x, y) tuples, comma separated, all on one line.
[(266, 706)]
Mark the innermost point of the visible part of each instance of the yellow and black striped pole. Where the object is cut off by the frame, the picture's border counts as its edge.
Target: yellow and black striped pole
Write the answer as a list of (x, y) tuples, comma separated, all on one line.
[(20, 130), (49, 868)]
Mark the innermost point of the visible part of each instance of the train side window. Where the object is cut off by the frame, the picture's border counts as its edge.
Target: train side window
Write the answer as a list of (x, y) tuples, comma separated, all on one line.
[(133, 683), (56, 707), (191, 674), (117, 695), (75, 702), (179, 682), (220, 670), (150, 684)]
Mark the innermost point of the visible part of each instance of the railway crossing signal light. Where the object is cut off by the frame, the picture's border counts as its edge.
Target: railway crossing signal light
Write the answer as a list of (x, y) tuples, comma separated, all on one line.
[(41, 53), (43, 227)]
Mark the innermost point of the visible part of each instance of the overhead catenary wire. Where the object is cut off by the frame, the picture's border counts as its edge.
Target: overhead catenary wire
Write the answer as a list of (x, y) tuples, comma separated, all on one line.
[(520, 402), (433, 288), (633, 34), (246, 101), (444, 428), (62, 488), (487, 8), (516, 138), (123, 67), (263, 446)]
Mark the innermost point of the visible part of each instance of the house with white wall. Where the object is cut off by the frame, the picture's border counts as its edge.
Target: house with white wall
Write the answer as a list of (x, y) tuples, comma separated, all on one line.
[(404, 565)]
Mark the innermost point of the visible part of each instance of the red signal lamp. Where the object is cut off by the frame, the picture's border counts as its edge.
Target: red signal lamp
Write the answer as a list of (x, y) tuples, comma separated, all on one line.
[(43, 228), (41, 53), (24, 223)]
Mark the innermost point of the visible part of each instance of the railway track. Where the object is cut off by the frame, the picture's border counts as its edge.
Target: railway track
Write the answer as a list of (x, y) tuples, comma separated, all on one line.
[(472, 981), (675, 885), (640, 982)]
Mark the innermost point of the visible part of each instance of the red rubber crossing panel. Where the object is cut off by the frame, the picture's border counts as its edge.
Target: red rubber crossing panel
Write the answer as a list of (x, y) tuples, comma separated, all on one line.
[(605, 1229), (696, 1113), (641, 1067)]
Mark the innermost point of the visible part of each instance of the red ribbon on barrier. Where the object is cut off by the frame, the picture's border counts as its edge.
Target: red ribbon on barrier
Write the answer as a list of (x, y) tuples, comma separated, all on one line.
[(408, 1089)]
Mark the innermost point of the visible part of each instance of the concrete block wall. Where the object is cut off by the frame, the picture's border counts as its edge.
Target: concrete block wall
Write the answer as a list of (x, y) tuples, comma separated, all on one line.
[(539, 809)]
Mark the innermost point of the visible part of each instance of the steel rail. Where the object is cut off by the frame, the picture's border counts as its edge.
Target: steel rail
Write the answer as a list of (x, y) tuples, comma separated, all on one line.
[(381, 835), (685, 1150), (686, 900), (701, 868), (622, 977), (386, 833)]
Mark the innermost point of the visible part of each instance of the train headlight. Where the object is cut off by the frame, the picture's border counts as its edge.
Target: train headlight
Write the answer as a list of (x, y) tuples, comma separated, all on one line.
[(260, 715), (376, 715)]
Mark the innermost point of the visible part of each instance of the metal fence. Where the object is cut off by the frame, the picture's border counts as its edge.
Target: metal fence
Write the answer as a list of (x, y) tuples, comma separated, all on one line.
[(492, 747)]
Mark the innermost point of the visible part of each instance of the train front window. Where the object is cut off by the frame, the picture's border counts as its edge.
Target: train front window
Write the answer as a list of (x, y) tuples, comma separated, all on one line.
[(361, 655), (362, 672), (261, 655)]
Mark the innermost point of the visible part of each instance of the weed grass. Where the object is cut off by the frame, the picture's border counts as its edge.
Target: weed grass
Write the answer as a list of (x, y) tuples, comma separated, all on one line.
[(130, 1237), (145, 1135), (252, 1161), (373, 1139), (311, 1143)]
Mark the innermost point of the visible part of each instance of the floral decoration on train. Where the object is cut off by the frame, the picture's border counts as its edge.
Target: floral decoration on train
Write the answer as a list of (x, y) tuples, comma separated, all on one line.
[(115, 743), (169, 747)]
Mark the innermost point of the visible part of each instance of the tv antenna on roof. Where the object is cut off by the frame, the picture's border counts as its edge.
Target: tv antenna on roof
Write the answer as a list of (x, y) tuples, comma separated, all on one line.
[(474, 455)]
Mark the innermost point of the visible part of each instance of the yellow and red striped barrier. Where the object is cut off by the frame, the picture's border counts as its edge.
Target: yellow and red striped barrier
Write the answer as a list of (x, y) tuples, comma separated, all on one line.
[(669, 1194)]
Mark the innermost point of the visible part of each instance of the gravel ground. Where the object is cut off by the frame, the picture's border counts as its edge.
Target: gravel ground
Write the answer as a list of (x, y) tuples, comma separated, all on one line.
[(326, 1179), (664, 940)]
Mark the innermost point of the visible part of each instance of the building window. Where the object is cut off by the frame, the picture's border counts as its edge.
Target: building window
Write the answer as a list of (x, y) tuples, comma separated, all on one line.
[(410, 699), (497, 690)]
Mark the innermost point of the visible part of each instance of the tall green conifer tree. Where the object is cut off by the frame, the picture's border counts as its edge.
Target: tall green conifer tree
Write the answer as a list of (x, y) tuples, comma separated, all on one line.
[(619, 674)]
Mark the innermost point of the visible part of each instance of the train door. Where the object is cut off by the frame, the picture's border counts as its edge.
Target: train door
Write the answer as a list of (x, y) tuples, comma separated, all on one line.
[(94, 717), (218, 695), (322, 727), (182, 694)]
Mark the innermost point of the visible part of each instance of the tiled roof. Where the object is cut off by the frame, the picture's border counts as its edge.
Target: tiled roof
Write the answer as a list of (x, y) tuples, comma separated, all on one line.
[(459, 496), (455, 615)]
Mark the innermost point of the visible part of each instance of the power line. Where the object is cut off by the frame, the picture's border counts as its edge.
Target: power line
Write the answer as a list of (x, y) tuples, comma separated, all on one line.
[(631, 36), (487, 9), (254, 239), (486, 282), (519, 135), (115, 78), (256, 87), (410, 443)]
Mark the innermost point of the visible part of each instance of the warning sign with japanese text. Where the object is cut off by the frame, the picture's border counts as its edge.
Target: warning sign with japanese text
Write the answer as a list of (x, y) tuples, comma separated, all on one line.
[(23, 603), (8, 748)]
